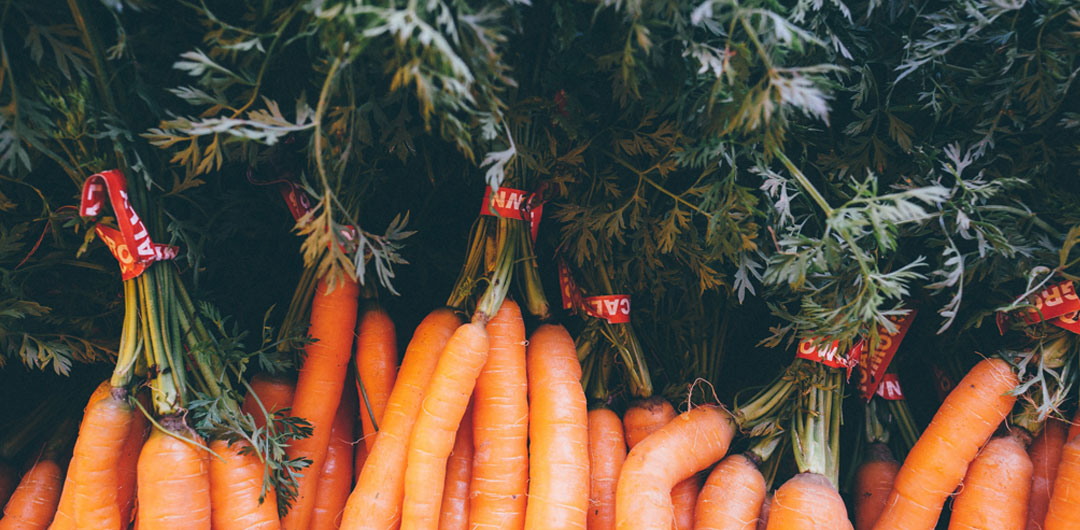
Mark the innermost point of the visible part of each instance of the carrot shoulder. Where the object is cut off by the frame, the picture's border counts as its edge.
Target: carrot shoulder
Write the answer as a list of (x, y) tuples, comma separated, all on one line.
[(732, 496), (607, 452), (97, 456), (996, 488), (808, 501), (174, 482)]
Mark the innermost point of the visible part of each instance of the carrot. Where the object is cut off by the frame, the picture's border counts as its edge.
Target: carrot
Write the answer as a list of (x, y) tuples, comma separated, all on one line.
[(936, 465), (688, 444), (641, 420), (432, 438), (335, 481), (128, 468), (732, 496), (9, 480), (500, 474), (1064, 511), (683, 501), (319, 386), (64, 519), (454, 514), (97, 456), (360, 454), (607, 451), (375, 502), (34, 502), (996, 488), (174, 481), (808, 501), (766, 506), (376, 364), (873, 482), (236, 490), (273, 392), (1045, 454)]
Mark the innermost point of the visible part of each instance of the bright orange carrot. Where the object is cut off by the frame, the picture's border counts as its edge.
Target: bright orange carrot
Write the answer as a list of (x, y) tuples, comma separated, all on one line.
[(97, 456), (936, 465), (236, 484), (174, 481), (1045, 454), (500, 475), (376, 362), (558, 433), (375, 502), (684, 500), (65, 511), (1064, 512), (454, 514), (274, 392), (607, 451), (873, 482), (688, 444), (732, 496), (641, 420), (336, 479), (763, 522), (34, 502), (319, 387), (808, 501), (996, 488)]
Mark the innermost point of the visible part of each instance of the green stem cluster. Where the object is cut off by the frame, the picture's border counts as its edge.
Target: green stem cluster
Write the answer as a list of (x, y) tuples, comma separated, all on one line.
[(815, 426)]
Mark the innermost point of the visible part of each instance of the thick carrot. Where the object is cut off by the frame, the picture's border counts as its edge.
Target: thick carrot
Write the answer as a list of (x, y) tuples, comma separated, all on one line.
[(65, 511), (873, 482), (1064, 512), (684, 500), (319, 386), (766, 507), (996, 488), (9, 480), (236, 484), (732, 496), (1045, 454), (97, 456), (432, 438), (375, 502), (274, 392), (936, 464), (808, 501), (500, 475), (335, 481), (688, 444), (454, 514), (174, 481), (34, 502), (607, 452), (642, 419), (558, 433), (376, 362)]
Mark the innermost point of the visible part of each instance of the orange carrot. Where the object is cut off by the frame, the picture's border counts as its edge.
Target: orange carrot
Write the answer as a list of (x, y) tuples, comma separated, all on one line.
[(996, 488), (174, 481), (375, 502), (558, 433), (688, 444), (684, 500), (319, 386), (873, 482), (500, 474), (34, 502), (454, 514), (236, 485), (9, 480), (128, 468), (1064, 512), (376, 362), (274, 392), (1045, 454), (936, 464), (97, 456), (336, 479), (641, 420), (808, 501), (766, 506), (607, 451), (65, 511), (732, 496)]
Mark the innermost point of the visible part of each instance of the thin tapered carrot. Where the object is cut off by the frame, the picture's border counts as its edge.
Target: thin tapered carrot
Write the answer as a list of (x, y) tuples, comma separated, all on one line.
[(808, 501), (319, 386), (236, 490), (1045, 454), (732, 496), (454, 513), (500, 475), (65, 511), (873, 483), (174, 481), (996, 488), (272, 392), (607, 452), (97, 456), (642, 419), (335, 481), (34, 501), (376, 363), (375, 502), (936, 464), (688, 444), (766, 507), (1064, 511)]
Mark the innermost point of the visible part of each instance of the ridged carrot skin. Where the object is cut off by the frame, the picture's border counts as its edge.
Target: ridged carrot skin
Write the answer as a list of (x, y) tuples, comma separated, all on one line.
[(808, 501), (936, 464), (688, 444), (1045, 454), (1064, 512), (336, 479), (174, 484), (33, 504), (129, 459), (558, 433), (642, 419), (996, 489), (873, 482), (274, 392), (454, 513), (319, 386), (375, 503), (97, 456), (236, 481), (607, 452), (65, 511), (500, 475), (732, 496), (684, 500), (763, 521), (376, 362)]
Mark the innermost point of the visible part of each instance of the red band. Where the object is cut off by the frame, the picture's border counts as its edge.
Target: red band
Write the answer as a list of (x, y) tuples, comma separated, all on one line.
[(615, 308), (890, 388), (814, 350), (514, 204), (873, 363)]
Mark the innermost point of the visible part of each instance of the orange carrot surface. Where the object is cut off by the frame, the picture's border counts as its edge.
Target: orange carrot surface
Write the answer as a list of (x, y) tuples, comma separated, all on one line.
[(607, 452), (33, 504), (808, 501), (1064, 512), (97, 456), (174, 483), (376, 363), (336, 479), (1045, 454), (873, 483), (996, 488), (269, 392), (236, 483), (454, 514), (732, 496)]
